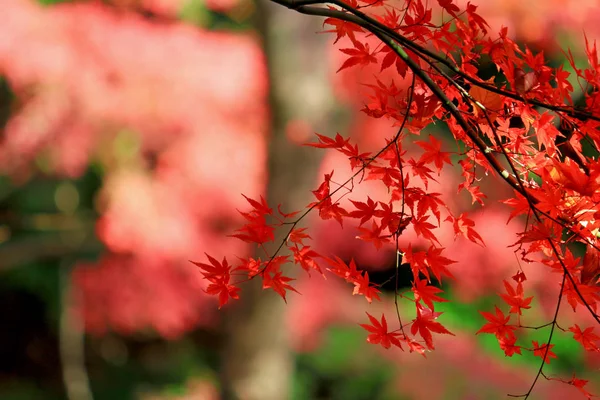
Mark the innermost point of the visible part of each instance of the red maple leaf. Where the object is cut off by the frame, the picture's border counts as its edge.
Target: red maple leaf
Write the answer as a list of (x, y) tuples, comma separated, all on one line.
[(497, 325), (463, 226), (588, 339), (305, 257), (515, 298), (379, 333), (364, 211), (360, 54), (214, 270), (423, 228), (508, 345), (373, 235), (224, 290), (342, 28), (427, 293), (425, 324), (362, 286), (438, 263), (544, 352), (433, 153), (278, 283)]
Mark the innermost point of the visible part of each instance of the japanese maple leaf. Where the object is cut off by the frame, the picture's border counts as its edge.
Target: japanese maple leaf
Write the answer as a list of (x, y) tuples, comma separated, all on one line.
[(433, 153), (379, 333), (360, 54), (543, 352), (476, 20), (497, 324), (373, 235), (363, 287), (348, 272), (430, 202), (256, 230), (515, 299), (519, 204), (423, 228), (327, 143), (546, 132), (392, 58), (588, 339), (251, 266), (364, 211), (260, 207), (463, 226), (438, 263), (427, 293), (219, 275), (305, 258), (508, 345), (278, 283), (421, 170), (580, 385), (425, 324), (224, 290), (590, 294), (449, 6), (342, 28), (215, 270), (390, 219), (297, 235)]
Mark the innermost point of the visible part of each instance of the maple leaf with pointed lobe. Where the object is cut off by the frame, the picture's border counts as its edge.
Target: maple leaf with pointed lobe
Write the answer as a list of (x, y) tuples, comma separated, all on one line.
[(427, 293), (305, 257), (433, 153), (359, 55), (519, 204), (342, 28), (364, 211), (588, 339), (219, 276), (327, 143), (373, 235), (438, 263), (214, 270), (589, 293), (508, 345), (421, 170), (224, 290), (278, 283), (362, 286), (449, 6), (425, 323), (515, 298), (297, 235), (544, 352), (349, 272), (423, 228), (379, 333), (580, 385), (430, 202), (463, 226), (497, 324)]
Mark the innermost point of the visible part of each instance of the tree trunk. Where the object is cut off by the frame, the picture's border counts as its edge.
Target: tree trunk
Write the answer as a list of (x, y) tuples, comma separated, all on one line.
[(257, 361)]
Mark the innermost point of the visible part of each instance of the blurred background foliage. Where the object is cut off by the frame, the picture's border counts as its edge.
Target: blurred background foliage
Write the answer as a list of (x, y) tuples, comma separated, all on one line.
[(122, 123)]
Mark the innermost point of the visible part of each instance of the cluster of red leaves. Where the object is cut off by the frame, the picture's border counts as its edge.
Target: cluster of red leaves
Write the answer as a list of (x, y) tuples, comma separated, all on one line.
[(512, 118)]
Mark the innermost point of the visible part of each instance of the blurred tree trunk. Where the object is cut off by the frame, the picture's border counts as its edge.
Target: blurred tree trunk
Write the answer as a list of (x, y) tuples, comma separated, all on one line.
[(257, 360)]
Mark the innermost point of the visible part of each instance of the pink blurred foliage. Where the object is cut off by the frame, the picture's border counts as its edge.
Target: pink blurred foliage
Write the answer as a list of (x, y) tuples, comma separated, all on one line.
[(193, 104), (542, 21)]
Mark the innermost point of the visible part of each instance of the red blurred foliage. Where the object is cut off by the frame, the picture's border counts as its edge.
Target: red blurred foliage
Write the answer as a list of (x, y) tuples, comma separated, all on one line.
[(168, 111)]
